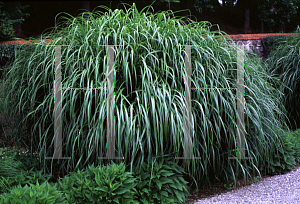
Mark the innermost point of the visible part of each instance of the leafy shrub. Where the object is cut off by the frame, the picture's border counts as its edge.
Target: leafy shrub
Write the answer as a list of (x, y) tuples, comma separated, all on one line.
[(36, 194), (24, 178), (30, 176), (291, 141), (289, 152), (107, 184), (8, 165), (9, 11), (29, 162), (13, 171), (7, 30), (163, 183)]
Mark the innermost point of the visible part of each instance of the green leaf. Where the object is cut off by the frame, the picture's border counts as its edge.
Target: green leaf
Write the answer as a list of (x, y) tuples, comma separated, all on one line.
[(165, 173), (164, 193), (159, 184), (121, 190), (103, 188)]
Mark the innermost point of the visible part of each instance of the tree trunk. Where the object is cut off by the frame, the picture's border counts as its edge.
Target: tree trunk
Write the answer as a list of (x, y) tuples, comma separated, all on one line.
[(17, 26), (86, 6), (262, 26), (247, 21)]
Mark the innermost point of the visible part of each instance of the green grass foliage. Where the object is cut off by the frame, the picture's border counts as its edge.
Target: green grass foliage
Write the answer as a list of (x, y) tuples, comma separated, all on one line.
[(149, 68)]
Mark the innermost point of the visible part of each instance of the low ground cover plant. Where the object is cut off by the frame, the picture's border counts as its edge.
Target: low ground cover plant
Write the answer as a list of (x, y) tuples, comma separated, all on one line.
[(161, 183), (149, 79), (107, 184), (38, 194), (15, 170)]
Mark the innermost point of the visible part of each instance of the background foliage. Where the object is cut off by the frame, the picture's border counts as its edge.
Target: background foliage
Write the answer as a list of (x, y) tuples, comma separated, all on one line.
[(277, 12), (9, 15)]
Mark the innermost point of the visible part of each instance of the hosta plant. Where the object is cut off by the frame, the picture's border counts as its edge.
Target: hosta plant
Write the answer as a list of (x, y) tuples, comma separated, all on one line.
[(107, 184), (14, 170), (289, 153), (22, 179), (37, 194), (9, 169), (8, 165), (161, 182)]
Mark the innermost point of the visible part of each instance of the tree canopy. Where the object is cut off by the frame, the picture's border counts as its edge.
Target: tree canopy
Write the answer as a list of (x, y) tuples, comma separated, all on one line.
[(271, 12), (10, 14), (277, 12)]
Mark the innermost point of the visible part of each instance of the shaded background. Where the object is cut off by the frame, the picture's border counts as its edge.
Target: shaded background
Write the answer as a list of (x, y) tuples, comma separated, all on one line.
[(230, 19)]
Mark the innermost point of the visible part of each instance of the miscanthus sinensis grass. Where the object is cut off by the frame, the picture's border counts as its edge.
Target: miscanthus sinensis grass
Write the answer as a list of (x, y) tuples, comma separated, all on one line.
[(149, 79)]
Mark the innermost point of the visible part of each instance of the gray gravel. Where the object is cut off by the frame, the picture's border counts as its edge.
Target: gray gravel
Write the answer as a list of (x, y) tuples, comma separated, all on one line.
[(281, 189)]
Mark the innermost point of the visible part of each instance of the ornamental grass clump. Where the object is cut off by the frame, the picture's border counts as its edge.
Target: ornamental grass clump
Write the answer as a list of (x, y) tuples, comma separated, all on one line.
[(284, 63), (149, 83), (107, 184)]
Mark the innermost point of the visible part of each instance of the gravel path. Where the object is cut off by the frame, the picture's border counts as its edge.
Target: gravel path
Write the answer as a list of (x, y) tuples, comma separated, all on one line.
[(281, 189)]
